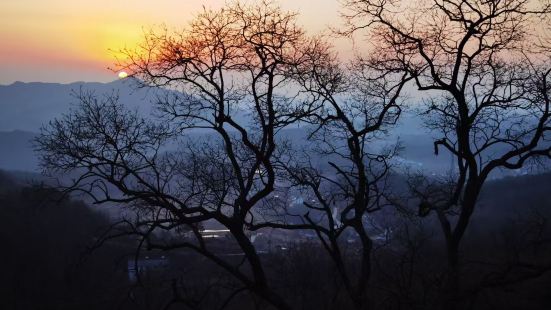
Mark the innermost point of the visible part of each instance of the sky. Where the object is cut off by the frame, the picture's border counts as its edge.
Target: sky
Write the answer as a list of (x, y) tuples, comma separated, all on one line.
[(76, 40)]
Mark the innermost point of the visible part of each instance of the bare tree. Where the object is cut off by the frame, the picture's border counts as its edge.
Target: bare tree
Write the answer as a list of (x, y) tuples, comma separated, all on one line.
[(486, 86), (229, 82), (343, 178)]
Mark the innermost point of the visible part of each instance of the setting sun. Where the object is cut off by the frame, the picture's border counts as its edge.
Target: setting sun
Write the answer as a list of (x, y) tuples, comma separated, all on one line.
[(122, 75)]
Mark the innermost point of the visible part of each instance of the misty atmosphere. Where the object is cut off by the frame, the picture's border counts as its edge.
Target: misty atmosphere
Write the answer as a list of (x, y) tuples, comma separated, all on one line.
[(331, 154)]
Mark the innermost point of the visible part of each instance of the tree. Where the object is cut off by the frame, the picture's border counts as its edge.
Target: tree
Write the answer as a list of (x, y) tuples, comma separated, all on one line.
[(43, 238), (487, 91), (230, 87), (348, 180)]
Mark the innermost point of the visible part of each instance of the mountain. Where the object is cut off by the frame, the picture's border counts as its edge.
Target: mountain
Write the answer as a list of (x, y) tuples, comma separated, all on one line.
[(16, 152), (27, 106)]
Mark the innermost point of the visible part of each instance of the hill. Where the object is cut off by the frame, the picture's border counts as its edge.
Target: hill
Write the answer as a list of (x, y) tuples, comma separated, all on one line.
[(27, 106)]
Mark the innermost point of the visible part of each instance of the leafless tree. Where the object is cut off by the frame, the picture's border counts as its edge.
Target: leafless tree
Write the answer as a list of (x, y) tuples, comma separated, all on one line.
[(229, 79), (486, 85), (343, 178)]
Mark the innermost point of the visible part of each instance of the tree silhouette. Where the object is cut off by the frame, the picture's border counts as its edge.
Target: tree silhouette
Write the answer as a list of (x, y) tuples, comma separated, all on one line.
[(486, 85), (348, 180), (230, 84)]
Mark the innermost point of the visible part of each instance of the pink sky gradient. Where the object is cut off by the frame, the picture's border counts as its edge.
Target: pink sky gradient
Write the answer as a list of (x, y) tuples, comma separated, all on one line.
[(65, 41)]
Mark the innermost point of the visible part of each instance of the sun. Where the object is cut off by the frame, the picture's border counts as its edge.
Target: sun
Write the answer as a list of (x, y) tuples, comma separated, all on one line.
[(122, 75)]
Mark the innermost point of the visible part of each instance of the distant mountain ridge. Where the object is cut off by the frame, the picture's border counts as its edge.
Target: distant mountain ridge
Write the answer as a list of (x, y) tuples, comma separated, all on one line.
[(28, 106)]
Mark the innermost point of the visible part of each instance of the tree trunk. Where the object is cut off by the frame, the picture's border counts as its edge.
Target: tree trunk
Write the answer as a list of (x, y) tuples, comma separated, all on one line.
[(452, 287), (260, 286), (360, 299)]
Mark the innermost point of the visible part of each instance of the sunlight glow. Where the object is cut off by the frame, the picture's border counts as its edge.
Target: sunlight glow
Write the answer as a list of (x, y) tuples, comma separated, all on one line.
[(60, 40)]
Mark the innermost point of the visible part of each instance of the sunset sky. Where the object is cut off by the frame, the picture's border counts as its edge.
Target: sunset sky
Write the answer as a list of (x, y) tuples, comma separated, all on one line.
[(65, 41)]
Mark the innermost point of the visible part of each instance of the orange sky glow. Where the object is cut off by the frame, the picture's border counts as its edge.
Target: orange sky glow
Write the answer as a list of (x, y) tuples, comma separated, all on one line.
[(65, 41)]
